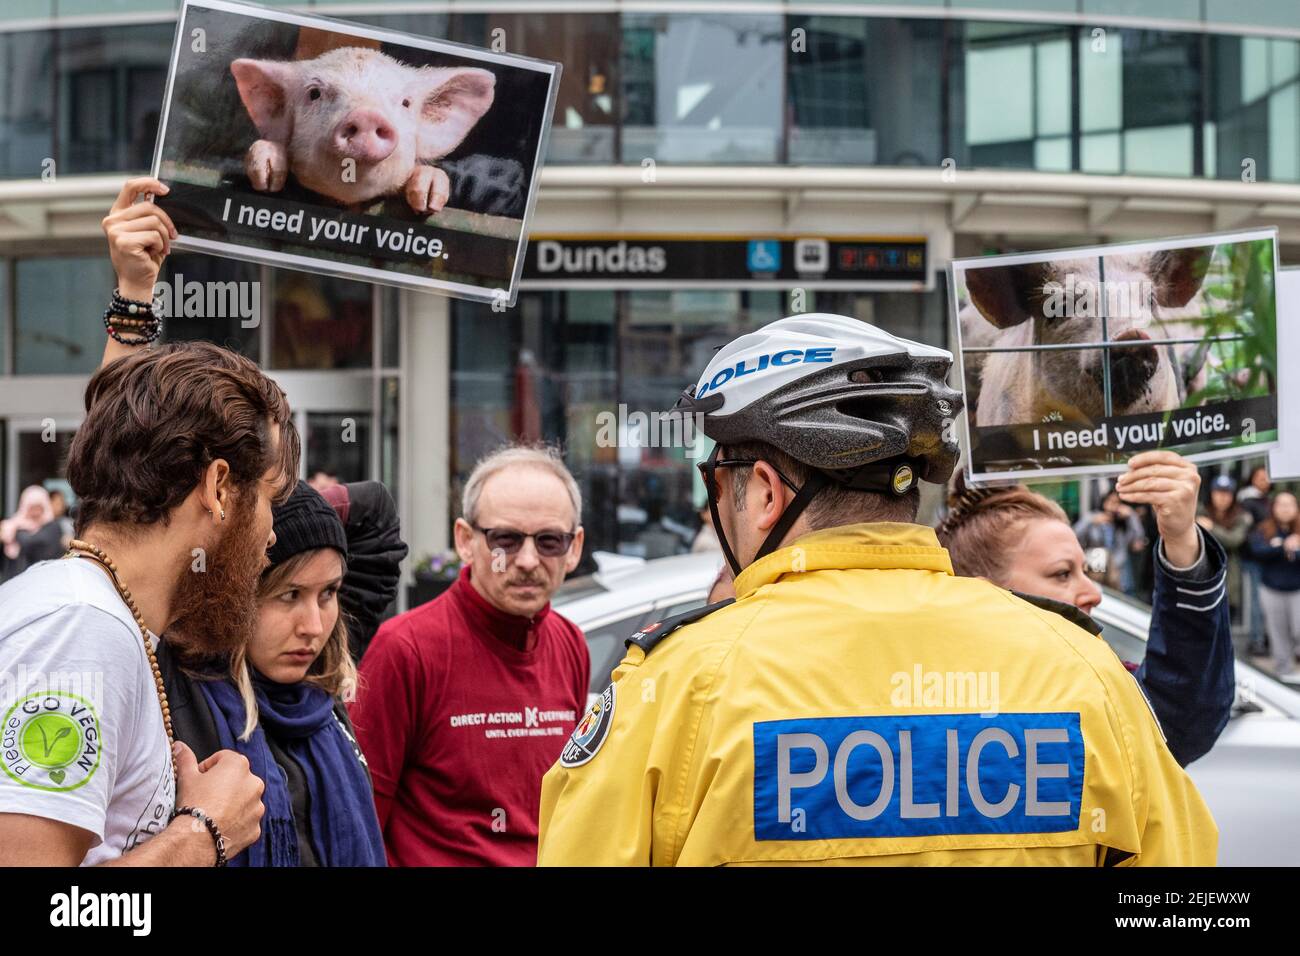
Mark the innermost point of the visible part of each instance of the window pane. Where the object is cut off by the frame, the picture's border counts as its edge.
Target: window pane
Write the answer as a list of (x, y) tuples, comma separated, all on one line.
[(58, 323), (1100, 73), (110, 94), (1052, 155), (1052, 73), (1162, 78), (865, 91), (26, 103), (1099, 153), (339, 443), (1258, 13), (587, 45), (1283, 137), (1241, 124), (830, 121), (1159, 151), (26, 9), (702, 89), (320, 322), (212, 299), (999, 94), (1254, 68), (1284, 61)]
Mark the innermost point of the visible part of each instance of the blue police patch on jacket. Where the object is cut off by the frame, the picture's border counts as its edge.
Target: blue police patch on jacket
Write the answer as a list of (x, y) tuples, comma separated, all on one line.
[(847, 777)]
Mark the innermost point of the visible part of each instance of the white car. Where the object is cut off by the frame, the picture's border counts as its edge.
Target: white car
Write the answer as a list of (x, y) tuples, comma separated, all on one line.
[(1251, 779)]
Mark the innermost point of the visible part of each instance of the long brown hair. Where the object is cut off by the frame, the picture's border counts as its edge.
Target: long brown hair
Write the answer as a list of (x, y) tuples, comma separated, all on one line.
[(333, 670), (982, 523), (1270, 527)]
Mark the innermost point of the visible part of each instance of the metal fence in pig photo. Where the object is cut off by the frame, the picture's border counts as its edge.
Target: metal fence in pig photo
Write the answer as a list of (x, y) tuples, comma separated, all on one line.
[(320, 145), (1074, 361)]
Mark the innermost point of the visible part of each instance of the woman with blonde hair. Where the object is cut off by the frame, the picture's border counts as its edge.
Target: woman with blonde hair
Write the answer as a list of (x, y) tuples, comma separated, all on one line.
[(1022, 541), (278, 700)]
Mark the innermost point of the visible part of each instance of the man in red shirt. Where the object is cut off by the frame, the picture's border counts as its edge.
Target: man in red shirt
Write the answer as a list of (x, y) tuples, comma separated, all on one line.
[(465, 702)]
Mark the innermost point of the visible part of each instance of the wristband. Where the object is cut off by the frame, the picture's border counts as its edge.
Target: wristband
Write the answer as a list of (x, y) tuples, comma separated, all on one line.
[(213, 829)]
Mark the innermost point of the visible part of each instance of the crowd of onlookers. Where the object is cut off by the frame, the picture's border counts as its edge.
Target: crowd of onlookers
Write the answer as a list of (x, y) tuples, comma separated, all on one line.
[(1259, 528)]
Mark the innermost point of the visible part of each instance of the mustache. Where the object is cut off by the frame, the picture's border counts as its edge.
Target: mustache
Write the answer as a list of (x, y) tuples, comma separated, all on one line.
[(527, 579)]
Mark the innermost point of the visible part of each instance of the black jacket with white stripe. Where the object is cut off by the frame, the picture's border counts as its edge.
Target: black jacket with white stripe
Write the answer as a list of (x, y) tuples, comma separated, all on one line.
[(1188, 673)]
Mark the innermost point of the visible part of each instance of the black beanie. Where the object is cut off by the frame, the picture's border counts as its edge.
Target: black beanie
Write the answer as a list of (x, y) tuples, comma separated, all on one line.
[(304, 523)]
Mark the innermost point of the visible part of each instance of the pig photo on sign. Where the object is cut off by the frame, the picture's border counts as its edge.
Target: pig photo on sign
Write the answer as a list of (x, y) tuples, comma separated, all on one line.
[(355, 125), (1144, 297)]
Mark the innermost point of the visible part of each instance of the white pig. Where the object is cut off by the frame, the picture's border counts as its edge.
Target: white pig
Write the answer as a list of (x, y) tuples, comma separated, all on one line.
[(1010, 306), (354, 124)]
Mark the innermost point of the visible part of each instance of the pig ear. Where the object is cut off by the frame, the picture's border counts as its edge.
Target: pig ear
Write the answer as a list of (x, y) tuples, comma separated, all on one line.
[(1005, 295), (264, 87), (454, 100), (1178, 274)]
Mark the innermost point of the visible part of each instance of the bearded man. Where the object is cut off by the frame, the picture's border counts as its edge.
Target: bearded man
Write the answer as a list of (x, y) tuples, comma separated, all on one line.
[(182, 452)]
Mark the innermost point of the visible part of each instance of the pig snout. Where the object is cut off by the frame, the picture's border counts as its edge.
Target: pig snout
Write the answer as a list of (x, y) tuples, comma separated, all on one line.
[(1131, 369), (366, 136)]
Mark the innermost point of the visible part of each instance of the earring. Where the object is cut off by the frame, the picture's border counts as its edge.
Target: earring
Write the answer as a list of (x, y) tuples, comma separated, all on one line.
[(223, 514)]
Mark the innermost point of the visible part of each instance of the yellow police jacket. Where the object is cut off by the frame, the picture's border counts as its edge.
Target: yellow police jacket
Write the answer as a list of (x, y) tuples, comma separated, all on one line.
[(858, 704)]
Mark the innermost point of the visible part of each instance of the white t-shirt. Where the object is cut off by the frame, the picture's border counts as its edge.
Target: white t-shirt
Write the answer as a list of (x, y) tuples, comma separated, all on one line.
[(81, 731)]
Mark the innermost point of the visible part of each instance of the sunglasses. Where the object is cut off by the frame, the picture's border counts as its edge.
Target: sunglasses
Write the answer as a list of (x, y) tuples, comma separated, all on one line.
[(549, 544), (709, 468)]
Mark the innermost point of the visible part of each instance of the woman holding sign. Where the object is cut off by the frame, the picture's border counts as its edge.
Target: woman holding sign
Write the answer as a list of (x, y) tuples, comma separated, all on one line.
[(1022, 541)]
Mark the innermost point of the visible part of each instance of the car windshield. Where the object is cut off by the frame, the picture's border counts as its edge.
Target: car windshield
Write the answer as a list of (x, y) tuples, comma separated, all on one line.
[(575, 588)]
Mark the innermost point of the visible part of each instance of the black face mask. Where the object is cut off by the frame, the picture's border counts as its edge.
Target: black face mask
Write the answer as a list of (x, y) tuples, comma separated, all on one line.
[(803, 496)]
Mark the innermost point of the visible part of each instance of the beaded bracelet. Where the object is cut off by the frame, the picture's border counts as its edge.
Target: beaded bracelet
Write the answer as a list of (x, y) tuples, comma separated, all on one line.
[(149, 330), (213, 829), (122, 305)]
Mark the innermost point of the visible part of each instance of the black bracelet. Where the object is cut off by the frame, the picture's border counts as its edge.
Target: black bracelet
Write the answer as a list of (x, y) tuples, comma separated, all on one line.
[(124, 306), (153, 324), (213, 829)]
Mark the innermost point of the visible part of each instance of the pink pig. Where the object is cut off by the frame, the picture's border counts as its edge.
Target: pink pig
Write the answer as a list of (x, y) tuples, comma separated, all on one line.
[(354, 124)]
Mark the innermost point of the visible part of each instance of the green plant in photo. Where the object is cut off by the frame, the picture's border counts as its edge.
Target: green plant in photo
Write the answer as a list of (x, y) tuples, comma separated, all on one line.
[(1240, 347)]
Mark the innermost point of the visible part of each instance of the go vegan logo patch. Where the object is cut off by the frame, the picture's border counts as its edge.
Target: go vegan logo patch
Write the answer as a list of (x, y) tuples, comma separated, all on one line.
[(50, 741)]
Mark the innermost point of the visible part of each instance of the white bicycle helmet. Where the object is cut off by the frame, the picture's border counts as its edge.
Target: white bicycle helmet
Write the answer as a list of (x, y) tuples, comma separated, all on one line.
[(862, 408)]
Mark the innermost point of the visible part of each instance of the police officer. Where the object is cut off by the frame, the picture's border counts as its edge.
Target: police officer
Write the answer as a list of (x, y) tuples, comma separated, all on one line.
[(857, 703)]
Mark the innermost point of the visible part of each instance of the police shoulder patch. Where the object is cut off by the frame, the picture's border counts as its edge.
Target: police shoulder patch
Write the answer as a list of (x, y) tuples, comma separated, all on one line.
[(652, 634), (591, 731)]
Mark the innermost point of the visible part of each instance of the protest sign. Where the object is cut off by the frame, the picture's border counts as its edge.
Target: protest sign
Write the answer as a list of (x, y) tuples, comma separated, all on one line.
[(1284, 460), (331, 147), (1073, 361)]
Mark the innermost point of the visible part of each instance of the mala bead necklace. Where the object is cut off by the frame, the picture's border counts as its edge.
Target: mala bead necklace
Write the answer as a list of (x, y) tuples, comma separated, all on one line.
[(93, 553)]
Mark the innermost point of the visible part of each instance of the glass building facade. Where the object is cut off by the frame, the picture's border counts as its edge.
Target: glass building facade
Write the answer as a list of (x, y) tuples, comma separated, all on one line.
[(779, 88), (1188, 89)]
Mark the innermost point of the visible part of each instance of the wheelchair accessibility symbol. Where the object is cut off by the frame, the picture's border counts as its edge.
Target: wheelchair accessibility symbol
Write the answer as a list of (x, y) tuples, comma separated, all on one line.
[(764, 255)]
